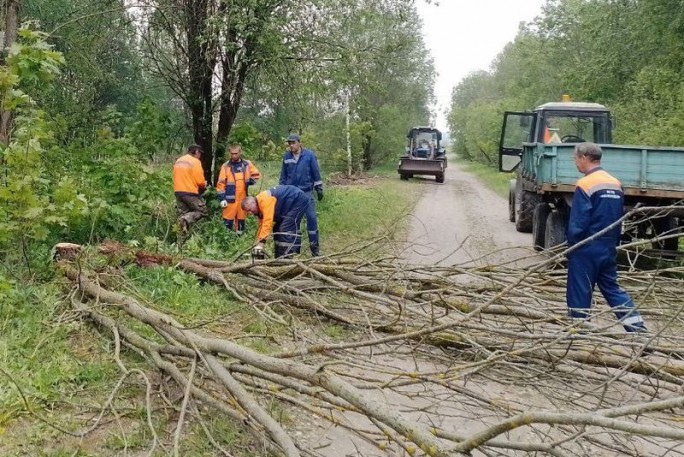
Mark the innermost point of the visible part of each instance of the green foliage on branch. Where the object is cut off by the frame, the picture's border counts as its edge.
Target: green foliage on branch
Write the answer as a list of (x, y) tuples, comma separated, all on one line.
[(27, 213)]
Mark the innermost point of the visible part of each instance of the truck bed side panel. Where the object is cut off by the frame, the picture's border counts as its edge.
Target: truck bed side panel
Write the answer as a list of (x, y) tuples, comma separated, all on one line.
[(646, 168)]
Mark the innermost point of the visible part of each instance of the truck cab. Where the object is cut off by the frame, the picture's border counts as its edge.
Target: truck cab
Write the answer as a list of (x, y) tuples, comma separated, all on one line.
[(553, 123)]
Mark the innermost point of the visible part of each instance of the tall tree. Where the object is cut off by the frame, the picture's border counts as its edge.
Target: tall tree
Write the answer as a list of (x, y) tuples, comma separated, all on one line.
[(205, 50), (367, 49), (11, 24), (103, 76)]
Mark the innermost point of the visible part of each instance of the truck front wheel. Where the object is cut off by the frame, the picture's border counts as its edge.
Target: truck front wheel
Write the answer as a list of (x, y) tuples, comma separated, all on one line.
[(525, 202)]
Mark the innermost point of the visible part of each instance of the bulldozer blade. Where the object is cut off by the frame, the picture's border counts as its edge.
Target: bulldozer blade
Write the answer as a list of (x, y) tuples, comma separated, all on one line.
[(421, 167)]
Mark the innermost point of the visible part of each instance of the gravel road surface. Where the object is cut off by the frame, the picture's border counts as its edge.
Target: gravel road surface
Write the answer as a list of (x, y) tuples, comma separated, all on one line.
[(462, 222)]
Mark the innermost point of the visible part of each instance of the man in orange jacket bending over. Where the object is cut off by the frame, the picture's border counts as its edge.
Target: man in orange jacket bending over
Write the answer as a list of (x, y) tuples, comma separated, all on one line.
[(280, 211)]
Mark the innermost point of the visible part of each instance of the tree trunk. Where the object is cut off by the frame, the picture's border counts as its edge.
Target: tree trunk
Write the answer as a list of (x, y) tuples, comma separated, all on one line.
[(232, 87), (367, 161), (200, 70), (11, 26), (350, 163)]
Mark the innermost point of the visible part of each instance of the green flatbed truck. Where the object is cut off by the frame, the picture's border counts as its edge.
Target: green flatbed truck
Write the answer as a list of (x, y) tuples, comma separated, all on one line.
[(539, 147)]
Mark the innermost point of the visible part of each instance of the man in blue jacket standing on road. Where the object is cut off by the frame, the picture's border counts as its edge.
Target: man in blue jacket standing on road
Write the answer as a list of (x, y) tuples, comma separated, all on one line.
[(597, 204), (300, 169)]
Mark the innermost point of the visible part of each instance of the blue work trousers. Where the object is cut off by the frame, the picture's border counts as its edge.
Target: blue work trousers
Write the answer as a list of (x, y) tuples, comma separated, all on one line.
[(595, 264), (286, 234), (312, 225)]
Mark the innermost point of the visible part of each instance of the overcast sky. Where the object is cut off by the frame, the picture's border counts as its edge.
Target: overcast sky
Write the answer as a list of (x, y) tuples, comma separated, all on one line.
[(466, 35)]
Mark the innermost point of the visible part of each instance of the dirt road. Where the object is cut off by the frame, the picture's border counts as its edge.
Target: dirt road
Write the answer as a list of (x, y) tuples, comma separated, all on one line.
[(462, 222), (459, 222)]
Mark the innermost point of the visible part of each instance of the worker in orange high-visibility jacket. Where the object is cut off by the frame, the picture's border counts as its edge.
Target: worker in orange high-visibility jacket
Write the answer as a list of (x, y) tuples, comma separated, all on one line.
[(188, 186), (280, 211), (236, 175)]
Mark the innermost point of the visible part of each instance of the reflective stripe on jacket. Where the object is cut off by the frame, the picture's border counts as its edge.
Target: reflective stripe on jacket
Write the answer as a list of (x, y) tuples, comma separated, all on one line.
[(597, 203), (302, 172), (188, 175), (234, 174)]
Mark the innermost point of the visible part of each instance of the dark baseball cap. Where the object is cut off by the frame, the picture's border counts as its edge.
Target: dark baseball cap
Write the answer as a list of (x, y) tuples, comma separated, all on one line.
[(293, 137)]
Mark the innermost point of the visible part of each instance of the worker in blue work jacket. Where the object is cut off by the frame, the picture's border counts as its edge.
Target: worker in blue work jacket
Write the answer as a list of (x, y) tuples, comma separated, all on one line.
[(280, 211), (300, 169), (598, 202)]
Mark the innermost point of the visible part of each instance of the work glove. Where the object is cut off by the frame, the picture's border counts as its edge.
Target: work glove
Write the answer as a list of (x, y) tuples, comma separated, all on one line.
[(319, 192), (223, 203), (251, 182), (258, 250)]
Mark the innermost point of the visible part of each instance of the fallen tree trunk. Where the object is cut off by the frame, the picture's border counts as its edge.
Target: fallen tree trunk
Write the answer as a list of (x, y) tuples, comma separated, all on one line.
[(496, 324)]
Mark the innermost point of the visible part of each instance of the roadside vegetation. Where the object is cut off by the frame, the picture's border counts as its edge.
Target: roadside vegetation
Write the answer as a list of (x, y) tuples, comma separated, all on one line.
[(98, 100), (56, 365), (626, 55)]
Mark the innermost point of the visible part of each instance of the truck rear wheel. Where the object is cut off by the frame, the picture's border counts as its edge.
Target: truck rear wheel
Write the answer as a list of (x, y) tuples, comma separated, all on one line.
[(403, 177), (665, 226), (556, 223), (525, 202), (439, 178), (539, 218)]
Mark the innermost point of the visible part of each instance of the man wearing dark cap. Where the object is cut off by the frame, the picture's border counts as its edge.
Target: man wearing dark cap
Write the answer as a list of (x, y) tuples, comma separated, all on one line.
[(300, 169)]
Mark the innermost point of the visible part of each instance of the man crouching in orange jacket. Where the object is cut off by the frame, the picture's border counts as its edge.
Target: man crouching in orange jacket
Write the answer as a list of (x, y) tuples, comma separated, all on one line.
[(236, 175), (188, 185), (280, 211)]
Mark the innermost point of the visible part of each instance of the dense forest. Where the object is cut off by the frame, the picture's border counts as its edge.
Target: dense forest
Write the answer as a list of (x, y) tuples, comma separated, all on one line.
[(625, 54)]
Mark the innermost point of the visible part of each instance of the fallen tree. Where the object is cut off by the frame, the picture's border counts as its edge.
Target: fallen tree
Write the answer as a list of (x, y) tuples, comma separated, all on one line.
[(588, 388)]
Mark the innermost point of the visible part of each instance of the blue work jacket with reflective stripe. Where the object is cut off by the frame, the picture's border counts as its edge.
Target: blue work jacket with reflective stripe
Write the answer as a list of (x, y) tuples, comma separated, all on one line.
[(597, 203), (289, 200), (303, 173)]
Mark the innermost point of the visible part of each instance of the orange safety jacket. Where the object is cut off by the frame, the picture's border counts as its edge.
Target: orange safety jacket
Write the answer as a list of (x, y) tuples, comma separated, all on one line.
[(267, 204), (188, 175), (234, 180)]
